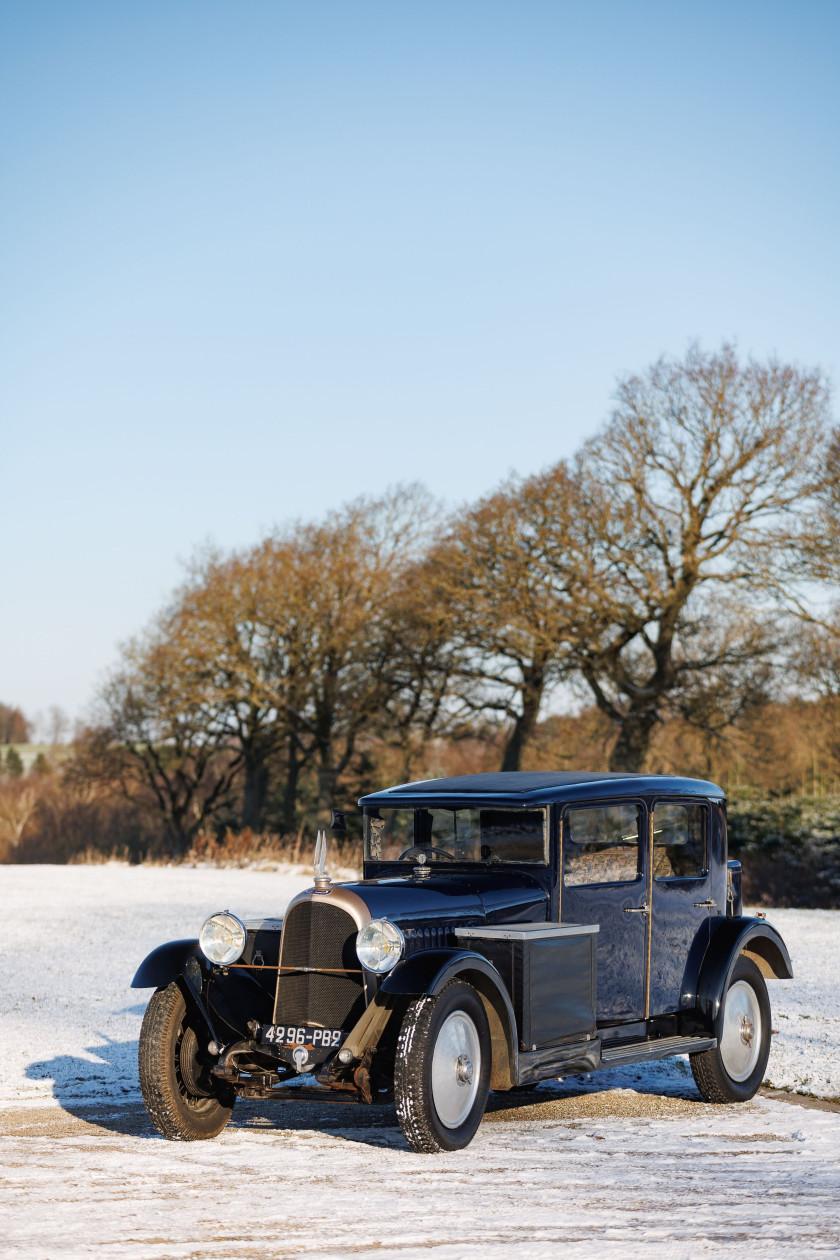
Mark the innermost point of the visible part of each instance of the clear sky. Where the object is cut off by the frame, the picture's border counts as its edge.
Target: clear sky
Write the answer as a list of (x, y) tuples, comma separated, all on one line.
[(260, 256)]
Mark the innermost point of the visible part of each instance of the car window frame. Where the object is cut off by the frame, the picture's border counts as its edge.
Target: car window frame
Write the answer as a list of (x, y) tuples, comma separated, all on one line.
[(610, 803), (544, 808), (685, 801)]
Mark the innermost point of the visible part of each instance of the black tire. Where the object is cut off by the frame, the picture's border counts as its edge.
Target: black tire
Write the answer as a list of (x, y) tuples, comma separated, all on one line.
[(714, 1071), (184, 1102), (428, 1104)]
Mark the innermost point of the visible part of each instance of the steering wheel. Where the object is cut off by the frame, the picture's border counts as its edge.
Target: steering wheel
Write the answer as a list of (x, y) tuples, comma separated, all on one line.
[(425, 848)]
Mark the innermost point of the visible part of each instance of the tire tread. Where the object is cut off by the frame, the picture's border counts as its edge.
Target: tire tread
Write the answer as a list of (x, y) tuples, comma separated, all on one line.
[(412, 1104), (166, 1109), (710, 1075), (706, 1070), (412, 1086)]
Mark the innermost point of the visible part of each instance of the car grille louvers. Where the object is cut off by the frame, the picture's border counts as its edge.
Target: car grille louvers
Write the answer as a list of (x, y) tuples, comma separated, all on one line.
[(434, 936), (320, 936)]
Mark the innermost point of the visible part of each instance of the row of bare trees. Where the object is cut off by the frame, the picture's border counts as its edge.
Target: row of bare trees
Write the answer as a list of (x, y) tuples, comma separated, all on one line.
[(658, 573)]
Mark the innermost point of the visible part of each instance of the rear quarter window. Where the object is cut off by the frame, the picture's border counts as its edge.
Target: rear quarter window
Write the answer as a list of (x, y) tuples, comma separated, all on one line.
[(679, 840)]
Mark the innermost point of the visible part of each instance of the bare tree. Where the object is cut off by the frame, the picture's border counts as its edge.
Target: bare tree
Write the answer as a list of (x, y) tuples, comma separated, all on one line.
[(280, 653), (813, 549), (819, 657), (235, 629), (420, 662), (158, 736), (818, 670), (514, 577), (57, 725), (348, 569), (18, 801), (14, 727), (707, 461)]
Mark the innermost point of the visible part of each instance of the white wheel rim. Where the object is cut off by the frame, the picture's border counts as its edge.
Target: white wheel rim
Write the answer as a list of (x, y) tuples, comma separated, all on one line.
[(456, 1069), (740, 1043)]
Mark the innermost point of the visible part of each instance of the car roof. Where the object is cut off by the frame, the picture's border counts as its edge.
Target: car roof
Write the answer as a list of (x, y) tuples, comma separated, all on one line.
[(539, 787)]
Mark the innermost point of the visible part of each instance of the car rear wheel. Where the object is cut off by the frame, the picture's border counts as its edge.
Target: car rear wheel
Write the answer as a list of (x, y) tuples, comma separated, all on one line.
[(734, 1069), (442, 1069), (183, 1100)]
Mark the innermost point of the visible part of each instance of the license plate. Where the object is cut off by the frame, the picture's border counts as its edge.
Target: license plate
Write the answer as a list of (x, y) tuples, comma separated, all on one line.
[(301, 1035)]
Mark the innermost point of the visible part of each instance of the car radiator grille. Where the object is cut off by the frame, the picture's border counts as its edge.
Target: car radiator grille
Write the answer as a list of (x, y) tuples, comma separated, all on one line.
[(320, 936)]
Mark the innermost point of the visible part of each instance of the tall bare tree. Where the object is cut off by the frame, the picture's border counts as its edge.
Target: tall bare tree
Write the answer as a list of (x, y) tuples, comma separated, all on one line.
[(707, 461)]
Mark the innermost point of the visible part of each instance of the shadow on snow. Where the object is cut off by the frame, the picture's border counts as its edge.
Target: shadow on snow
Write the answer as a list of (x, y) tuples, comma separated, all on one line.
[(103, 1090)]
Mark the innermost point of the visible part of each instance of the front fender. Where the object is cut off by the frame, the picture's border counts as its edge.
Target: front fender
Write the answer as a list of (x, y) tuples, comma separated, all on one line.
[(428, 971), (164, 964), (755, 938)]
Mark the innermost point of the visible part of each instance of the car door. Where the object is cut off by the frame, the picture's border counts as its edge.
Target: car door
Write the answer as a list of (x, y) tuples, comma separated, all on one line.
[(681, 900), (603, 872)]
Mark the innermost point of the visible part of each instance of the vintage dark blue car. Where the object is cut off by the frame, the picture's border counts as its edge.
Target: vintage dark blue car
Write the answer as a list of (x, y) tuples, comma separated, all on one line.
[(509, 928)]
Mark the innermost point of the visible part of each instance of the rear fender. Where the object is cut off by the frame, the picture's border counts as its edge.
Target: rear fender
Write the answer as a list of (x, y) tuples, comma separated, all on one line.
[(755, 939), (432, 969)]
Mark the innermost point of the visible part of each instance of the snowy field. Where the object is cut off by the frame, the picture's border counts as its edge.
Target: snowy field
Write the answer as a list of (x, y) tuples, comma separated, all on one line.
[(602, 1165)]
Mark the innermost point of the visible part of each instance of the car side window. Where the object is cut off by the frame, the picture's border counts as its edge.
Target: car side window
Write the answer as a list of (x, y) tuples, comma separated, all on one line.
[(601, 845), (679, 841)]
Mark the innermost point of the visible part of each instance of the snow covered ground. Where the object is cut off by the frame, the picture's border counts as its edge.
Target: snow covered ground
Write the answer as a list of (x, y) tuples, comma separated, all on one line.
[(611, 1163)]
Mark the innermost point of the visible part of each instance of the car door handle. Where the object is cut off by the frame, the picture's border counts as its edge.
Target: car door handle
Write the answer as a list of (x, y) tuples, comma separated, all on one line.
[(645, 909), (708, 904)]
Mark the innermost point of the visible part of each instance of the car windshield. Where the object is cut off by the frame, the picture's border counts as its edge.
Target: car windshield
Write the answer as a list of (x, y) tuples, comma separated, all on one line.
[(484, 836)]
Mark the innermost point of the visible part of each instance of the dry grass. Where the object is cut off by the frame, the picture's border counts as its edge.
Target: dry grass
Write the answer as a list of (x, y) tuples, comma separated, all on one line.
[(238, 849), (249, 848)]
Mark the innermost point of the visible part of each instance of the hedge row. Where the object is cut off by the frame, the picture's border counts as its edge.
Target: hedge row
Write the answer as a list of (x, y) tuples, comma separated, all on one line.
[(789, 849)]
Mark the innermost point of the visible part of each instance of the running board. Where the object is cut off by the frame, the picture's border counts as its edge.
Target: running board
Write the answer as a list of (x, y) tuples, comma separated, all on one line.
[(661, 1048), (571, 1059)]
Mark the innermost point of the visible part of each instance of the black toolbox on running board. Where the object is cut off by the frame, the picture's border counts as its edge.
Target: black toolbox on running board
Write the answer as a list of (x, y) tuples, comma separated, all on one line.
[(550, 972)]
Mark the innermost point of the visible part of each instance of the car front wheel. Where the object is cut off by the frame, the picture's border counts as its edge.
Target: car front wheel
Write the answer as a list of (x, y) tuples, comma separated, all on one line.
[(442, 1069), (734, 1069), (183, 1100)]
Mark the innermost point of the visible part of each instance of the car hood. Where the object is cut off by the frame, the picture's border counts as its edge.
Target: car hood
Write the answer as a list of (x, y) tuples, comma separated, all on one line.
[(485, 897)]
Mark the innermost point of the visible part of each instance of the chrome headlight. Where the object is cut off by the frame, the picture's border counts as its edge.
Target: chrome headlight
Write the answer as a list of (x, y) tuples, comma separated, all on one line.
[(222, 938), (380, 945)]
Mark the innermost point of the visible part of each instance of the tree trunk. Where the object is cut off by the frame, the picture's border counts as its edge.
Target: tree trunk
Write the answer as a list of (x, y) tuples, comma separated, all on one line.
[(327, 777), (631, 747), (525, 724), (291, 788), (180, 833), (256, 786)]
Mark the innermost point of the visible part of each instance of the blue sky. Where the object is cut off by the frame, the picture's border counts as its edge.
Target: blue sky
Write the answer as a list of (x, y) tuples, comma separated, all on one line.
[(260, 257)]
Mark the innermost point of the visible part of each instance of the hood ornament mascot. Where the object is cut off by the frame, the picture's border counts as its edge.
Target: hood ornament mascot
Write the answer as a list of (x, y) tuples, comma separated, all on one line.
[(323, 882)]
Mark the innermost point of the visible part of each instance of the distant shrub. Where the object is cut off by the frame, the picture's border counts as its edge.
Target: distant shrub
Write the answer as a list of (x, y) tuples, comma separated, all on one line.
[(41, 765), (14, 764)]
